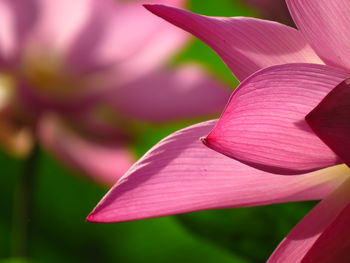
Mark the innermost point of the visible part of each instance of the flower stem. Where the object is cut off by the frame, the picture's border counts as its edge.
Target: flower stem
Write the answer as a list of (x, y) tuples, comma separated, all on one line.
[(23, 204)]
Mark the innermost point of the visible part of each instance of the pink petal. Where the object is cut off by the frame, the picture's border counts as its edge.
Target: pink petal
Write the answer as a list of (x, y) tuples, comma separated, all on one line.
[(325, 25), (333, 245), (180, 175), (314, 229), (171, 94), (330, 120), (103, 162), (245, 44), (17, 17), (7, 31), (157, 41), (263, 124), (123, 35), (58, 23)]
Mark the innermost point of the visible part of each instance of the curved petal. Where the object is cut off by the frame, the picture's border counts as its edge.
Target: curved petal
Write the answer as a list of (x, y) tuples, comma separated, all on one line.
[(123, 35), (309, 231), (245, 44), (181, 175), (330, 120), (171, 94), (263, 124), (325, 24), (105, 163)]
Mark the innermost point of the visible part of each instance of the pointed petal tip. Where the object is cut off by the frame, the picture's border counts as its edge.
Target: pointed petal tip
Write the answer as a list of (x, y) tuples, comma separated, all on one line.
[(90, 218), (147, 6), (162, 10), (151, 7), (250, 135), (94, 218), (255, 39), (209, 141), (181, 175)]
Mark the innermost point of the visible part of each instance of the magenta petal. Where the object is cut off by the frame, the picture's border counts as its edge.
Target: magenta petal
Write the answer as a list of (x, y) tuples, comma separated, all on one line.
[(171, 94), (263, 124), (245, 44), (330, 120), (309, 236), (334, 243), (180, 174), (325, 25), (105, 163)]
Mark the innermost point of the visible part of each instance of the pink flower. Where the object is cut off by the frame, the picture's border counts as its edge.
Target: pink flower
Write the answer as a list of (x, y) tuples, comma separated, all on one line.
[(80, 74), (288, 74)]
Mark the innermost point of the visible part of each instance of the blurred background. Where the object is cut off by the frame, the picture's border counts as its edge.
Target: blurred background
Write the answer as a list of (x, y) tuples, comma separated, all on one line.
[(63, 197)]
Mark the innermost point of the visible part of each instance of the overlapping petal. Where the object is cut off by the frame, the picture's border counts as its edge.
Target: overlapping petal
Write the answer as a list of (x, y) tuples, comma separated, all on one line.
[(263, 124), (171, 94), (325, 25), (308, 237), (181, 175), (104, 162), (330, 120), (245, 44), (333, 245)]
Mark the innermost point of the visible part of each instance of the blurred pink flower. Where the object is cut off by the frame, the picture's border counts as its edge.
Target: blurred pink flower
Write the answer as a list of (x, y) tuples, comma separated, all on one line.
[(80, 73), (275, 10), (265, 129)]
